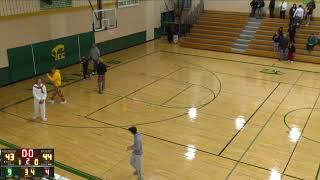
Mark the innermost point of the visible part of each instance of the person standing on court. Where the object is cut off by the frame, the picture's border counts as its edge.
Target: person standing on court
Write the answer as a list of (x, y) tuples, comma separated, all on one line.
[(95, 55), (272, 5), (39, 94), (101, 71), (55, 79), (283, 8), (136, 154)]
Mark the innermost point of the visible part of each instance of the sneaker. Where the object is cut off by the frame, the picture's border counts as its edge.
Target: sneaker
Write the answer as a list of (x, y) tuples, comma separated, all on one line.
[(34, 118), (44, 119), (51, 101), (63, 102)]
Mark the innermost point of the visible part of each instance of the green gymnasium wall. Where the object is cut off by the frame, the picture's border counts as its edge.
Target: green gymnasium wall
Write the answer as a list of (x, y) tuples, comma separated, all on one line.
[(34, 59), (122, 42)]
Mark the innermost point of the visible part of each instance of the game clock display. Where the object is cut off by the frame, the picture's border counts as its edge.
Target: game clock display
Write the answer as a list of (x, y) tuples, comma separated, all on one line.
[(27, 163)]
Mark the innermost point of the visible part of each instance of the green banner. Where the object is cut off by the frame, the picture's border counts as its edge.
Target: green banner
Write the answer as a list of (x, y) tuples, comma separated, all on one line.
[(52, 4), (56, 53), (31, 60)]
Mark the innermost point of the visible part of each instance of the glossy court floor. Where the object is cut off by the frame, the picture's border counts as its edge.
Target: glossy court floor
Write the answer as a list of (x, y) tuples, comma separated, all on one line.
[(202, 115)]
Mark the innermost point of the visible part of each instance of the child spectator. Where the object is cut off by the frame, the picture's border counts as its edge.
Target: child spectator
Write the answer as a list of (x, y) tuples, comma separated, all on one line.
[(280, 31), (292, 50), (55, 79), (292, 33), (275, 39), (311, 42)]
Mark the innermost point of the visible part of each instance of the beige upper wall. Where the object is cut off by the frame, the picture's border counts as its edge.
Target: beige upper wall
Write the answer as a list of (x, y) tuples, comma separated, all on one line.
[(22, 31), (243, 5)]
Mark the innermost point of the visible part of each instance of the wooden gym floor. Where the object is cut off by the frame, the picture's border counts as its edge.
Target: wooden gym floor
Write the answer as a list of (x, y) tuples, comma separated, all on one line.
[(202, 115)]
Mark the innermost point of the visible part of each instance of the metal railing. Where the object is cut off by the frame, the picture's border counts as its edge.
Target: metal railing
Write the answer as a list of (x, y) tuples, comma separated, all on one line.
[(15, 7)]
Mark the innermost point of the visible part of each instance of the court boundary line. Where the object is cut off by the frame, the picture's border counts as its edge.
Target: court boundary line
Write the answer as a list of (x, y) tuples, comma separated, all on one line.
[(264, 125), (185, 145), (242, 62), (318, 172), (238, 132), (57, 164), (205, 57), (305, 125), (79, 80), (154, 81)]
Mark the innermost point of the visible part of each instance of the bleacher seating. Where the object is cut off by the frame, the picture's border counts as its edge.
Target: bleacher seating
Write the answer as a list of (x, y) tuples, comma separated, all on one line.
[(261, 45), (218, 31), (215, 30)]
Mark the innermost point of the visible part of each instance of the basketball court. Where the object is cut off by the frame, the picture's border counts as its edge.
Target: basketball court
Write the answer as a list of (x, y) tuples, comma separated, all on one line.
[(202, 115)]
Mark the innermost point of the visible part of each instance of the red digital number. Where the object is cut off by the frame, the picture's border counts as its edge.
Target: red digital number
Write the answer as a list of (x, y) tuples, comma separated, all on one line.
[(27, 153)]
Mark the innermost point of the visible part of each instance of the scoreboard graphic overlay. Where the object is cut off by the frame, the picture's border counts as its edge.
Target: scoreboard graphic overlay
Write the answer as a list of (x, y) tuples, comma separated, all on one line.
[(27, 163)]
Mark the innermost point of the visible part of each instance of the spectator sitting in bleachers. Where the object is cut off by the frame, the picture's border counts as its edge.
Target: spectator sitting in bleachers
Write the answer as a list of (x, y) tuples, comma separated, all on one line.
[(310, 7), (291, 51), (291, 13), (275, 39), (292, 33), (283, 8), (283, 45), (298, 16), (318, 39), (311, 42)]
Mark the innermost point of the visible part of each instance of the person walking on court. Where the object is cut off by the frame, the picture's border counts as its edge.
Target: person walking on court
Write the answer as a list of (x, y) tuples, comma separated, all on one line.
[(55, 79), (39, 94), (101, 70), (136, 154), (95, 55), (283, 8), (271, 8)]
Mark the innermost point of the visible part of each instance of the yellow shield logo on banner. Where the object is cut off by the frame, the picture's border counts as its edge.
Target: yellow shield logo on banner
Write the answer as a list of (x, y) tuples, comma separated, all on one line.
[(58, 52)]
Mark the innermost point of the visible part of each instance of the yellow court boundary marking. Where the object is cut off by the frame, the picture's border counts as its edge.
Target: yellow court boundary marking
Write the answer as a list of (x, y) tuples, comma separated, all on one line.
[(53, 11)]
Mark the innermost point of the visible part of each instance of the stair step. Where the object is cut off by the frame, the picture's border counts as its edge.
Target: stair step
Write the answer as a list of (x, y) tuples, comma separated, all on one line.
[(236, 50)]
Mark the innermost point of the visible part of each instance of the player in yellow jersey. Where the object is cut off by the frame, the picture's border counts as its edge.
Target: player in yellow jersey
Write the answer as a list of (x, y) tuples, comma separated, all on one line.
[(55, 79)]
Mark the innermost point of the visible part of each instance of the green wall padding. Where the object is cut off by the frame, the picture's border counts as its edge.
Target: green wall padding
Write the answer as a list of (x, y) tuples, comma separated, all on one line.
[(20, 63), (166, 17), (4, 76), (86, 41), (122, 42), (59, 53), (157, 33), (56, 53)]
